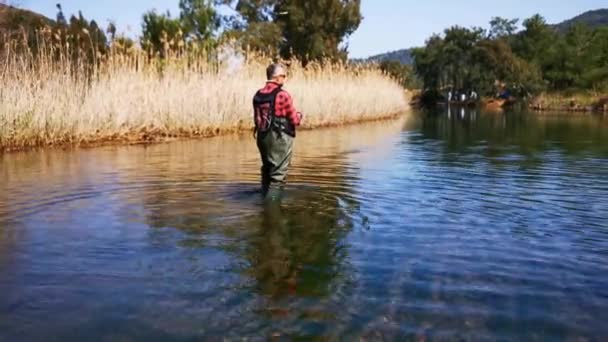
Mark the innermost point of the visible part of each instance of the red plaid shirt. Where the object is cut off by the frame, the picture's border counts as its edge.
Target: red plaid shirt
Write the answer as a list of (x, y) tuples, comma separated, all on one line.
[(284, 104)]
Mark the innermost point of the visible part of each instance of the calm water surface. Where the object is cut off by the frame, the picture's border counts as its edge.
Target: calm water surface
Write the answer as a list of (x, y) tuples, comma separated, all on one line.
[(471, 226)]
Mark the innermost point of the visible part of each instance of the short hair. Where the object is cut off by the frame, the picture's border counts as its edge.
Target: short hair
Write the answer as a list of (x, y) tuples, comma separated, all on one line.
[(273, 70)]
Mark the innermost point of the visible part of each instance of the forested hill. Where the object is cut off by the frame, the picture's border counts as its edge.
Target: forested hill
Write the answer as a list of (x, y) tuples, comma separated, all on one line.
[(12, 19), (403, 56), (591, 18)]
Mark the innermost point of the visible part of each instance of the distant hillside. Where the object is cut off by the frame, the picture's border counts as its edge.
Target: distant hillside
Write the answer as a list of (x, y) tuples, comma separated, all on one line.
[(591, 18), (404, 56), (12, 19)]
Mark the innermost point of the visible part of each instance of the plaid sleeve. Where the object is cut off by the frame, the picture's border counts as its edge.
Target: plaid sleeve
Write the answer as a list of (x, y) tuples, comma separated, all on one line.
[(286, 108)]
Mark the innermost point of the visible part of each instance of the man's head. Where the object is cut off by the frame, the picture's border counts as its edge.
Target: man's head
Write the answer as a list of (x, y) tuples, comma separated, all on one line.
[(276, 73)]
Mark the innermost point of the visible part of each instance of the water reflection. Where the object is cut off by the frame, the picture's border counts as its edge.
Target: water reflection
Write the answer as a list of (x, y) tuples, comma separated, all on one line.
[(512, 132), (298, 250), (289, 246), (455, 225)]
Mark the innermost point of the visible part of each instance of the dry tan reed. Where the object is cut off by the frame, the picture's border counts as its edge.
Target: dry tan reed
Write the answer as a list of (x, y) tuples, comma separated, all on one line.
[(47, 99)]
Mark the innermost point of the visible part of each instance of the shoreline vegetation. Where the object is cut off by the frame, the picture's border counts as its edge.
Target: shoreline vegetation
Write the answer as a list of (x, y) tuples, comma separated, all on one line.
[(50, 98), (582, 102), (577, 102), (540, 67), (70, 82)]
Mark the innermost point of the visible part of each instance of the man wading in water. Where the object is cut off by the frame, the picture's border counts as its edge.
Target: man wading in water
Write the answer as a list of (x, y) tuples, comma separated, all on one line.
[(275, 126)]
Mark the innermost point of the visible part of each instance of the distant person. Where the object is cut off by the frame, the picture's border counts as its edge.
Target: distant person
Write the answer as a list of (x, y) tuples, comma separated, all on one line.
[(473, 95), (450, 96), (275, 120), (505, 95)]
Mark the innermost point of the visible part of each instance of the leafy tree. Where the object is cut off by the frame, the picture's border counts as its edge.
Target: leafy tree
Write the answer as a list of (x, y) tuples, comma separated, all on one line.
[(310, 30), (565, 60), (261, 37), (501, 66), (401, 72), (161, 33), (501, 27), (198, 19), (595, 73), (253, 25), (537, 58), (578, 42), (467, 59), (459, 57), (428, 62), (536, 41), (195, 27), (313, 30)]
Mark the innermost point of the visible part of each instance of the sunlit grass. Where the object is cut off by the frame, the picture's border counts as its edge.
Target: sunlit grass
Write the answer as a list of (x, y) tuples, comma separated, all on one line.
[(47, 99)]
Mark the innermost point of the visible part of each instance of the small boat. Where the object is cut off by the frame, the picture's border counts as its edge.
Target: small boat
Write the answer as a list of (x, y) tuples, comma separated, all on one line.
[(494, 104)]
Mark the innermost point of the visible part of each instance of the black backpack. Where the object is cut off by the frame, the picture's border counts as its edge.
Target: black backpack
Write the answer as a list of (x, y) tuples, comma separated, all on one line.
[(264, 110)]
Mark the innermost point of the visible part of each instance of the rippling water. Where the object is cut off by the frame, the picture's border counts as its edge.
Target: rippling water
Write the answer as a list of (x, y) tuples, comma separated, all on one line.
[(461, 226)]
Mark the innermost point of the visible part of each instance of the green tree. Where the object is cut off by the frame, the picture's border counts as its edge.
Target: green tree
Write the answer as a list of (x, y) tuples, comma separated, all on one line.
[(501, 66), (316, 29), (565, 60), (469, 59), (501, 27), (252, 23), (595, 74), (161, 33), (401, 72), (199, 20), (310, 30), (535, 43), (535, 59), (459, 56), (428, 63), (451, 61), (194, 28)]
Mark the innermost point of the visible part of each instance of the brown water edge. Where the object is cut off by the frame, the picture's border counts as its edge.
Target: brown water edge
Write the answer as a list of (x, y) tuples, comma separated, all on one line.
[(235, 152), (575, 103), (596, 109), (156, 135)]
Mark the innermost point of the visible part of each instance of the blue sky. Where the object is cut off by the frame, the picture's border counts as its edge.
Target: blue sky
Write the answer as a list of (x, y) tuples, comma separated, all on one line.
[(387, 25)]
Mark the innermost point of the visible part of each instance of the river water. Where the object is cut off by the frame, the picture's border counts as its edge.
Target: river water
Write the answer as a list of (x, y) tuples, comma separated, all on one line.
[(452, 226)]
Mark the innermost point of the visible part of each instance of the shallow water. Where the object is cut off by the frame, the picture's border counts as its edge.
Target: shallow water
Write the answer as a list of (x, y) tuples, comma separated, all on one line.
[(459, 226)]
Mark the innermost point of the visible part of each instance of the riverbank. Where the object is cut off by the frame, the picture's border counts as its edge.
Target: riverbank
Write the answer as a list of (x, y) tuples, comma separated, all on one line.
[(133, 99), (583, 102), (579, 102)]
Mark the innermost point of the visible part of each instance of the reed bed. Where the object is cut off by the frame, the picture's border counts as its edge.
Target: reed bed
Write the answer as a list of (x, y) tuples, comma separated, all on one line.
[(49, 98)]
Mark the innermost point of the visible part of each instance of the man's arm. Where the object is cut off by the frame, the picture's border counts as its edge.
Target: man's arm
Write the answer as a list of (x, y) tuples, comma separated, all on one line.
[(286, 102)]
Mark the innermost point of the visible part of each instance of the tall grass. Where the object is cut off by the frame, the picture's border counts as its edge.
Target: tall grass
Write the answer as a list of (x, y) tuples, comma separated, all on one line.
[(49, 98)]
